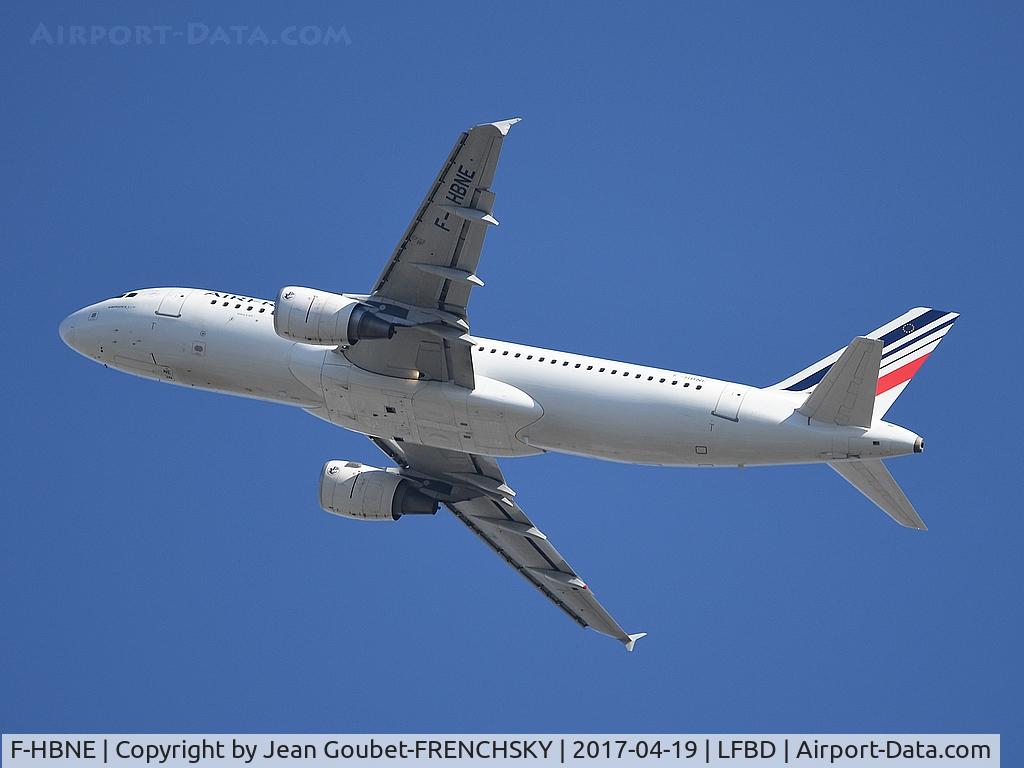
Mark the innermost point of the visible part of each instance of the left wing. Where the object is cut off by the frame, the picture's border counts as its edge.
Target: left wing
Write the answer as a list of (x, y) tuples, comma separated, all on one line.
[(474, 489), (425, 286)]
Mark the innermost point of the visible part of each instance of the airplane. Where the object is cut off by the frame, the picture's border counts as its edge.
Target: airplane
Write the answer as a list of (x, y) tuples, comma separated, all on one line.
[(401, 366)]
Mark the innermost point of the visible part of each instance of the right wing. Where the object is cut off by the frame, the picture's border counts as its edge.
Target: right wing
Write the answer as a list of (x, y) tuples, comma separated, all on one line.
[(479, 497)]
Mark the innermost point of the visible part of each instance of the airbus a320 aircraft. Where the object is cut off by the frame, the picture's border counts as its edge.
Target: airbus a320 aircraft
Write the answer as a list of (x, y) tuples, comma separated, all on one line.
[(401, 365)]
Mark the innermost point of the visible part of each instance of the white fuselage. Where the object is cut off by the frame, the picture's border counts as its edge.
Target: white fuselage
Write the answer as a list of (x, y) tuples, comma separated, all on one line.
[(527, 400)]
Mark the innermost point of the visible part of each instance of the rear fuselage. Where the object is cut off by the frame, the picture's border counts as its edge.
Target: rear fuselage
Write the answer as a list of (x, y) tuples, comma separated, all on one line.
[(527, 400)]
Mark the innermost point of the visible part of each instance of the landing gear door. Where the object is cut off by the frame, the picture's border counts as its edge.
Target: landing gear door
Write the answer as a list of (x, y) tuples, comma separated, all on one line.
[(729, 402), (170, 304)]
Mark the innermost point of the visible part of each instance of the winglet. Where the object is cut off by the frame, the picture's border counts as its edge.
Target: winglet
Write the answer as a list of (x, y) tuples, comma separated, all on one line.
[(632, 640), (504, 125)]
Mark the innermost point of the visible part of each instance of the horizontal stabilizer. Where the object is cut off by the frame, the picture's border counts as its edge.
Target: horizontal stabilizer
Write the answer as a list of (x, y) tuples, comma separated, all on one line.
[(871, 478), (846, 395)]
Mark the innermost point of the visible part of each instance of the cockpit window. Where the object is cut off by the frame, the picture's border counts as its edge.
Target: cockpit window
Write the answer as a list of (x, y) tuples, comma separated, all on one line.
[(130, 295)]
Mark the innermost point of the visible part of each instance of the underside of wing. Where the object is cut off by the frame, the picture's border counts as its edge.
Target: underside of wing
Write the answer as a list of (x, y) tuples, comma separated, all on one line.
[(425, 286), (434, 264), (474, 489)]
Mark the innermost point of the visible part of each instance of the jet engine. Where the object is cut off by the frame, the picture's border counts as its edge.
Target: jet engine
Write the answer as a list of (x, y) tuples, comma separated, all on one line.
[(319, 317), (351, 489)]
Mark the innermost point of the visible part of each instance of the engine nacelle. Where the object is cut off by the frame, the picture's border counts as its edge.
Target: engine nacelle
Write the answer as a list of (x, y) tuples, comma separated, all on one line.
[(351, 489), (319, 317)]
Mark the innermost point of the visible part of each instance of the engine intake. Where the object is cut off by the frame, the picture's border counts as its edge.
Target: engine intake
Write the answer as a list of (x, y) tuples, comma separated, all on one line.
[(319, 317), (351, 489)]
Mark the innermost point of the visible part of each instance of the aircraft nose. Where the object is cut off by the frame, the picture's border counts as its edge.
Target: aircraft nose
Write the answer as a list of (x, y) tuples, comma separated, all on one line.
[(67, 330)]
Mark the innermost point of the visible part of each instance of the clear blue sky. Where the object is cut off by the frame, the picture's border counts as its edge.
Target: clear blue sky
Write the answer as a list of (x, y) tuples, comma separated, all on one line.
[(730, 189)]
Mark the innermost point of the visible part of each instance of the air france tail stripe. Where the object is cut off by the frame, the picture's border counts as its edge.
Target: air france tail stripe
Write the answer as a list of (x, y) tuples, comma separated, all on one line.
[(918, 322), (811, 380), (900, 375), (933, 330), (925, 345), (929, 337)]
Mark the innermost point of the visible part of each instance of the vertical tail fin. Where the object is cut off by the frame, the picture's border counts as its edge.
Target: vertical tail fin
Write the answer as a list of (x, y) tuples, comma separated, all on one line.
[(908, 341)]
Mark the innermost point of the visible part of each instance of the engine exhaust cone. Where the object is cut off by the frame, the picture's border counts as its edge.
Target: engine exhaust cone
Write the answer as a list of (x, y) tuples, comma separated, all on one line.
[(366, 325), (410, 501)]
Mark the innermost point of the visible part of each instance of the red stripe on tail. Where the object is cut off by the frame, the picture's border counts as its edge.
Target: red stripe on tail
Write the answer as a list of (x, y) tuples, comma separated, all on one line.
[(900, 375)]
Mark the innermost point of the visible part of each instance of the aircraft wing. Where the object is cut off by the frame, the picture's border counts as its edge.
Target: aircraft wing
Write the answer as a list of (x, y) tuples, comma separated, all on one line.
[(434, 265), (426, 283), (483, 502)]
